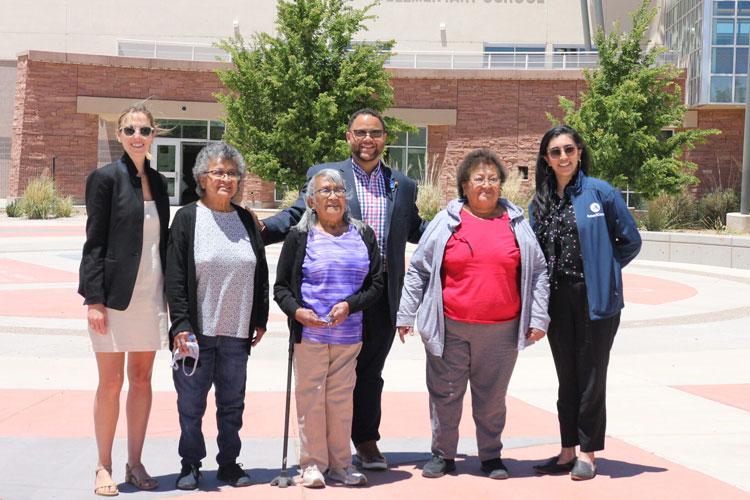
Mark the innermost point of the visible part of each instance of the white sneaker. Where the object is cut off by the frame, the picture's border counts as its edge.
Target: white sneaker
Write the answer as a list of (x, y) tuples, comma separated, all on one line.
[(312, 477), (349, 476)]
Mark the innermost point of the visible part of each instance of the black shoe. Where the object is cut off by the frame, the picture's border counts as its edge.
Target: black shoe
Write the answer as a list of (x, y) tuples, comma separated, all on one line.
[(438, 467), (582, 471), (495, 468), (189, 477), (552, 467), (234, 475)]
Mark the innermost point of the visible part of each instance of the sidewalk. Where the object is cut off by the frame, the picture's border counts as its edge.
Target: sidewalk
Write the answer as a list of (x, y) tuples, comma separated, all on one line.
[(679, 395)]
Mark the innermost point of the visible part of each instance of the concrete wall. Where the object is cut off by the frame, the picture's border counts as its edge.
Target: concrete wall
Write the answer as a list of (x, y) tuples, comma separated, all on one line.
[(688, 248)]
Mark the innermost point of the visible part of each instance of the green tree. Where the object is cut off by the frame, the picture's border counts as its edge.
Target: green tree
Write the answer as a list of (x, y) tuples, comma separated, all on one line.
[(290, 95), (629, 101)]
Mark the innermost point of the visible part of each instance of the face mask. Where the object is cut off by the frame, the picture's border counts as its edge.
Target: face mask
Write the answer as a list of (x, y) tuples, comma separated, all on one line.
[(193, 352)]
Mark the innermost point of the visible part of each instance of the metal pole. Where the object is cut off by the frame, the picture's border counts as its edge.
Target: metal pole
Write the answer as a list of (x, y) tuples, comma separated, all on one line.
[(585, 22), (745, 195), (599, 13)]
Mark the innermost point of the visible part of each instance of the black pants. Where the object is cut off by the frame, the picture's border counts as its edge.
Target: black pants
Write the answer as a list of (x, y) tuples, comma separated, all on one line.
[(379, 334), (580, 348)]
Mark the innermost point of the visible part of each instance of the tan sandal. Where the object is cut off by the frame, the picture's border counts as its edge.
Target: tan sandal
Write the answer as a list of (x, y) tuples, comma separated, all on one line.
[(138, 477), (107, 487)]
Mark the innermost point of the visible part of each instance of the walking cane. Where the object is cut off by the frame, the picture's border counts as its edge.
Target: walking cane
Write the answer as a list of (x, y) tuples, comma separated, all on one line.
[(283, 480)]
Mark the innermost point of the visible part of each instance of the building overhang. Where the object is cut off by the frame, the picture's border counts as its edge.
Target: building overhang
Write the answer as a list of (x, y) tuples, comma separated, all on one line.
[(110, 108)]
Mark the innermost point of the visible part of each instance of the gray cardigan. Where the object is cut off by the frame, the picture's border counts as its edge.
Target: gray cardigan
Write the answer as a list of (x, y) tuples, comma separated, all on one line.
[(422, 295)]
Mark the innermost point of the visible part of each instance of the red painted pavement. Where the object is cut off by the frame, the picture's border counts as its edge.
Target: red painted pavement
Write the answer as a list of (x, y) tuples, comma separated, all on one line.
[(648, 290), (737, 395), (16, 271), (58, 303)]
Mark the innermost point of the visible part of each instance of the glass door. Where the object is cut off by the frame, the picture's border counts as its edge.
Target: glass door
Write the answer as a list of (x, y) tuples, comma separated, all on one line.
[(166, 158)]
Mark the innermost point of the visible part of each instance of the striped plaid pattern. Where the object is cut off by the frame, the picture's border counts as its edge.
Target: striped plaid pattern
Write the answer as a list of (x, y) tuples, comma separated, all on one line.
[(372, 200)]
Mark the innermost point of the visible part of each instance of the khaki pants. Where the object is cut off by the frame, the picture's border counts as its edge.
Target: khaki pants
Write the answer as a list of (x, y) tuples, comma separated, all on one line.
[(324, 377)]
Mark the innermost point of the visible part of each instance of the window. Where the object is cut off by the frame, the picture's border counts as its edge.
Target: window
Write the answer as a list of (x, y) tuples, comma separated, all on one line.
[(193, 129), (721, 89), (408, 153), (523, 170)]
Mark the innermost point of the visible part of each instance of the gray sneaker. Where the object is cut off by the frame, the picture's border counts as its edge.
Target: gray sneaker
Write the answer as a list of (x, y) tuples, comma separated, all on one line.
[(349, 476), (438, 467)]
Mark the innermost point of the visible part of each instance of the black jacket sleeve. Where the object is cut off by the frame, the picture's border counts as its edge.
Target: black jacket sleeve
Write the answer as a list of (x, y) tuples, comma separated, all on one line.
[(284, 292), (373, 284), (98, 208), (177, 275)]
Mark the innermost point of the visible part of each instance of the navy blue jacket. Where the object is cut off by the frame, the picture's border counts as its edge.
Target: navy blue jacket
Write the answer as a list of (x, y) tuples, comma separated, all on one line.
[(609, 240), (402, 222)]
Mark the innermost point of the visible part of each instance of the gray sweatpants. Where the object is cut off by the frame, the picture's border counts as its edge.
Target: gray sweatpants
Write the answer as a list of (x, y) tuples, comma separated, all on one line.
[(485, 356)]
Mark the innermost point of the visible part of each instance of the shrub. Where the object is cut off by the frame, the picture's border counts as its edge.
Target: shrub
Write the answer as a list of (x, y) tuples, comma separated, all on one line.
[(39, 199), (14, 209), (64, 206), (42, 201), (290, 196), (513, 190), (429, 200), (670, 212), (713, 208)]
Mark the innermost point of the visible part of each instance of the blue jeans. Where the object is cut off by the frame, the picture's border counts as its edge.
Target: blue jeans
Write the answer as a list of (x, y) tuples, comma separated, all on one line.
[(223, 363)]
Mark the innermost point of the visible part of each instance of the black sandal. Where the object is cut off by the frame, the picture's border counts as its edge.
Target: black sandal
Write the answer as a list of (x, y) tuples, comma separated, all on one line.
[(552, 467)]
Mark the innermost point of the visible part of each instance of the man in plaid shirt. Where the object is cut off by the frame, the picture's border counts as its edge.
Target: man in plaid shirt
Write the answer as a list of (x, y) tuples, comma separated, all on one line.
[(384, 199)]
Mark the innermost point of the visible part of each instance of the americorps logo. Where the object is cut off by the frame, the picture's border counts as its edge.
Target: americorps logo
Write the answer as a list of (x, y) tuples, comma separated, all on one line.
[(596, 210)]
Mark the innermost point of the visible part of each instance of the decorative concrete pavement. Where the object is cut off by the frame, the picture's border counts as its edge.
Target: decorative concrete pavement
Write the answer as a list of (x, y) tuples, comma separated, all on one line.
[(679, 395)]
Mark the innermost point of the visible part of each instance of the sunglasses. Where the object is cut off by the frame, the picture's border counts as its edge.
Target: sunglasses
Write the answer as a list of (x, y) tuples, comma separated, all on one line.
[(556, 153), (130, 131), (375, 134)]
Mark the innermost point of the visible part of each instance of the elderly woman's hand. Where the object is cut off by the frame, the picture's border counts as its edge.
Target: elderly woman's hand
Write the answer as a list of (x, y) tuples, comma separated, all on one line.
[(339, 312), (259, 332), (535, 334), (181, 340), (97, 318), (403, 331), (308, 317)]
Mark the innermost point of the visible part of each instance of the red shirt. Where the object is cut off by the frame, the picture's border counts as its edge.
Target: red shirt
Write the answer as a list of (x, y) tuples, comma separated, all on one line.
[(480, 271)]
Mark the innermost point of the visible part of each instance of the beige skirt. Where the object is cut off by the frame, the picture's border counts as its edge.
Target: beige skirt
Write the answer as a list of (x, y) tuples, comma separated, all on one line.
[(143, 325)]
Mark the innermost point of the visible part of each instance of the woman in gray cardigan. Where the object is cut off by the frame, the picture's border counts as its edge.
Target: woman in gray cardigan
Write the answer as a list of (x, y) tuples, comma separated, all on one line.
[(477, 291)]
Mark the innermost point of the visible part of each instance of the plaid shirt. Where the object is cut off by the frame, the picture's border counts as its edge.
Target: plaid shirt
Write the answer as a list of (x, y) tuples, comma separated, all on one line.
[(372, 200)]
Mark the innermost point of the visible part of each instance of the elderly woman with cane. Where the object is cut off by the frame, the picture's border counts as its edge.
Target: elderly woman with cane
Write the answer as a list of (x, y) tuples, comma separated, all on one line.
[(217, 286), (328, 273)]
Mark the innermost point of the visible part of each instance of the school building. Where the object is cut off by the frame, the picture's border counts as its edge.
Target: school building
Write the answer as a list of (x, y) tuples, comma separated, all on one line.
[(469, 73)]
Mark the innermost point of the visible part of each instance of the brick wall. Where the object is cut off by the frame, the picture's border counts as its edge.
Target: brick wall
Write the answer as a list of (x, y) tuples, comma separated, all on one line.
[(504, 112), (719, 160)]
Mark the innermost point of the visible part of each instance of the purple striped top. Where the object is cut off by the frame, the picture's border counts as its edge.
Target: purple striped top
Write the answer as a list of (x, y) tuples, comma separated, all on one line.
[(334, 268)]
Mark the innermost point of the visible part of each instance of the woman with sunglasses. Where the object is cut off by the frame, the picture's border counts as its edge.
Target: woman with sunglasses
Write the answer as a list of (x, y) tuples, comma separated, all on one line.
[(328, 273), (122, 282), (217, 286), (587, 234)]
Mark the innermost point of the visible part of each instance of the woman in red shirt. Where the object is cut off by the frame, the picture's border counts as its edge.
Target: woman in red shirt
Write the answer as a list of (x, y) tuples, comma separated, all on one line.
[(477, 291)]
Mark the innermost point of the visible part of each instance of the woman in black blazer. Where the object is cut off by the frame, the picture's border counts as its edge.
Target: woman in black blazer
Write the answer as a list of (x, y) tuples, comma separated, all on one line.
[(122, 282)]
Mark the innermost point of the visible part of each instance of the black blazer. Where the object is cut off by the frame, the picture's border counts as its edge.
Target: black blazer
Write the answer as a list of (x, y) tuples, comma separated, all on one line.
[(287, 291), (114, 231), (181, 282), (402, 222)]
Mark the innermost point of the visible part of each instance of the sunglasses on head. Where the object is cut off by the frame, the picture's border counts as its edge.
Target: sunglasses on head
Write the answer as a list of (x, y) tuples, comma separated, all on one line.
[(556, 153), (130, 131)]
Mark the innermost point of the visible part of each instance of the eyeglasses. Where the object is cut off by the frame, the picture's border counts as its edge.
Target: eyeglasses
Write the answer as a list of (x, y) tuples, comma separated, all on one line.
[(555, 153), (130, 131), (479, 181), (326, 192), (375, 134), (223, 174)]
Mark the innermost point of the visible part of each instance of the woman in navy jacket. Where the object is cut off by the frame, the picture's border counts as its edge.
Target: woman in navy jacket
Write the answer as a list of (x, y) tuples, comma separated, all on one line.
[(122, 282), (587, 234)]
